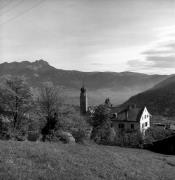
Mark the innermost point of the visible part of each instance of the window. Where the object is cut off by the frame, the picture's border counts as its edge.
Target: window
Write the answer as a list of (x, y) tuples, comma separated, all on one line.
[(146, 124), (142, 125), (132, 126), (121, 126)]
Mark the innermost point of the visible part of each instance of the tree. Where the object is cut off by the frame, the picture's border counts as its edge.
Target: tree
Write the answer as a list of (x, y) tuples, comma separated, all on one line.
[(101, 116), (101, 123), (50, 102), (16, 98)]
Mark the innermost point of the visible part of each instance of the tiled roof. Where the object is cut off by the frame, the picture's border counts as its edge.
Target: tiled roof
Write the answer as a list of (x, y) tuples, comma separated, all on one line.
[(129, 114), (115, 109)]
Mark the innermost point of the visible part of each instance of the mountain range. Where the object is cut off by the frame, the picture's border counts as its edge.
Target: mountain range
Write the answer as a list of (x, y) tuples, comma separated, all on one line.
[(160, 100), (117, 86)]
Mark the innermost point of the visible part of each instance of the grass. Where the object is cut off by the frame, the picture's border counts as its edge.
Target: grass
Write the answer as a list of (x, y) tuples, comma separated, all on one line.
[(49, 161)]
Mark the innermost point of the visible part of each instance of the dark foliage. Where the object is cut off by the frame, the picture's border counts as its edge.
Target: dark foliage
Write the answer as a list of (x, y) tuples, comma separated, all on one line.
[(4, 130), (49, 103), (79, 135), (156, 133), (129, 139), (101, 116), (49, 126), (101, 123)]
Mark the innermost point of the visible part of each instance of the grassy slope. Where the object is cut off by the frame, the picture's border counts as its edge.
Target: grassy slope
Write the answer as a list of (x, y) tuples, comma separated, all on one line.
[(27, 160)]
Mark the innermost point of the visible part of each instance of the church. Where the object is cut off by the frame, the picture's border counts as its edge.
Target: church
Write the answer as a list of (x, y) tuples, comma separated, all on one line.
[(130, 118)]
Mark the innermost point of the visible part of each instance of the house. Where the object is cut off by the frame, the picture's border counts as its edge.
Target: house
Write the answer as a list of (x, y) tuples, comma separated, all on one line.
[(128, 119), (131, 118)]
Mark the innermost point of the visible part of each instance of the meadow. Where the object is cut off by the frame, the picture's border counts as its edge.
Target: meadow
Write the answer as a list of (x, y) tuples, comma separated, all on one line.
[(57, 161)]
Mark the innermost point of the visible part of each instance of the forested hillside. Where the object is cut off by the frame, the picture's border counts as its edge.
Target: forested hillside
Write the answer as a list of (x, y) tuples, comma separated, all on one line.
[(160, 99)]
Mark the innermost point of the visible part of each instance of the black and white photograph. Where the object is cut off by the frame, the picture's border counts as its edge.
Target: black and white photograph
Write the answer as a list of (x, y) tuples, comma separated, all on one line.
[(87, 89)]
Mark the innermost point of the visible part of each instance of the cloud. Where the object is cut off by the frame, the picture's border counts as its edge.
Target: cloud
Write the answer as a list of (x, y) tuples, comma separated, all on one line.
[(162, 61), (155, 52), (138, 64), (160, 54), (161, 50), (171, 46), (153, 63), (162, 57), (88, 35)]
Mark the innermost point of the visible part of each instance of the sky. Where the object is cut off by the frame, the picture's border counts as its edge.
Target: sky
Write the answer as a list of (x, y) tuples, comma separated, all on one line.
[(90, 35)]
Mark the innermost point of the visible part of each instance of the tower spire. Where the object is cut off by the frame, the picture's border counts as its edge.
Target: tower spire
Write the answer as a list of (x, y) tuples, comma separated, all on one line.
[(83, 100)]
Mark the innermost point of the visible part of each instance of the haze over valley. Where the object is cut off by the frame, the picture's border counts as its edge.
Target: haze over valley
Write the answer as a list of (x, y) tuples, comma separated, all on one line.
[(100, 85)]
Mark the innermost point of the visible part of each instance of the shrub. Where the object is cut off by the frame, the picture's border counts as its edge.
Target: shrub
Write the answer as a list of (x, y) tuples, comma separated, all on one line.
[(56, 136), (79, 135), (103, 134), (16, 134), (156, 133), (53, 136), (129, 139), (4, 130), (33, 135), (7, 131)]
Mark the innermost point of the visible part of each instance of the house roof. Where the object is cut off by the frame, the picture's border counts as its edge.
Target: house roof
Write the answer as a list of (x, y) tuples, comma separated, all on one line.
[(129, 114), (115, 109)]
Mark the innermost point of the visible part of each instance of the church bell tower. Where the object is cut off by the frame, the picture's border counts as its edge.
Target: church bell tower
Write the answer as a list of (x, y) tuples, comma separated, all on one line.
[(83, 101)]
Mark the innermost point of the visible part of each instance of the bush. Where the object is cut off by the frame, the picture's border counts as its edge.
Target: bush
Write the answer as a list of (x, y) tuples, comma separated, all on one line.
[(53, 136), (33, 136), (4, 131), (129, 139), (103, 134), (57, 136), (7, 131), (18, 135), (79, 135), (156, 133)]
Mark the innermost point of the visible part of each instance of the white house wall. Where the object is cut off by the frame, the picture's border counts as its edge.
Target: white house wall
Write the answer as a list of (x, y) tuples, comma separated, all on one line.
[(145, 118)]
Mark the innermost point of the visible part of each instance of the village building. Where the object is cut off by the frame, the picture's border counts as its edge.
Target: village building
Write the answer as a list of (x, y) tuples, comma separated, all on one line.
[(127, 119), (131, 118)]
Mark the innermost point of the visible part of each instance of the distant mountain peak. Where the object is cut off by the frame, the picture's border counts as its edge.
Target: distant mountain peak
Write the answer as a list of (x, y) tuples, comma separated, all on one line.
[(38, 64), (41, 62)]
